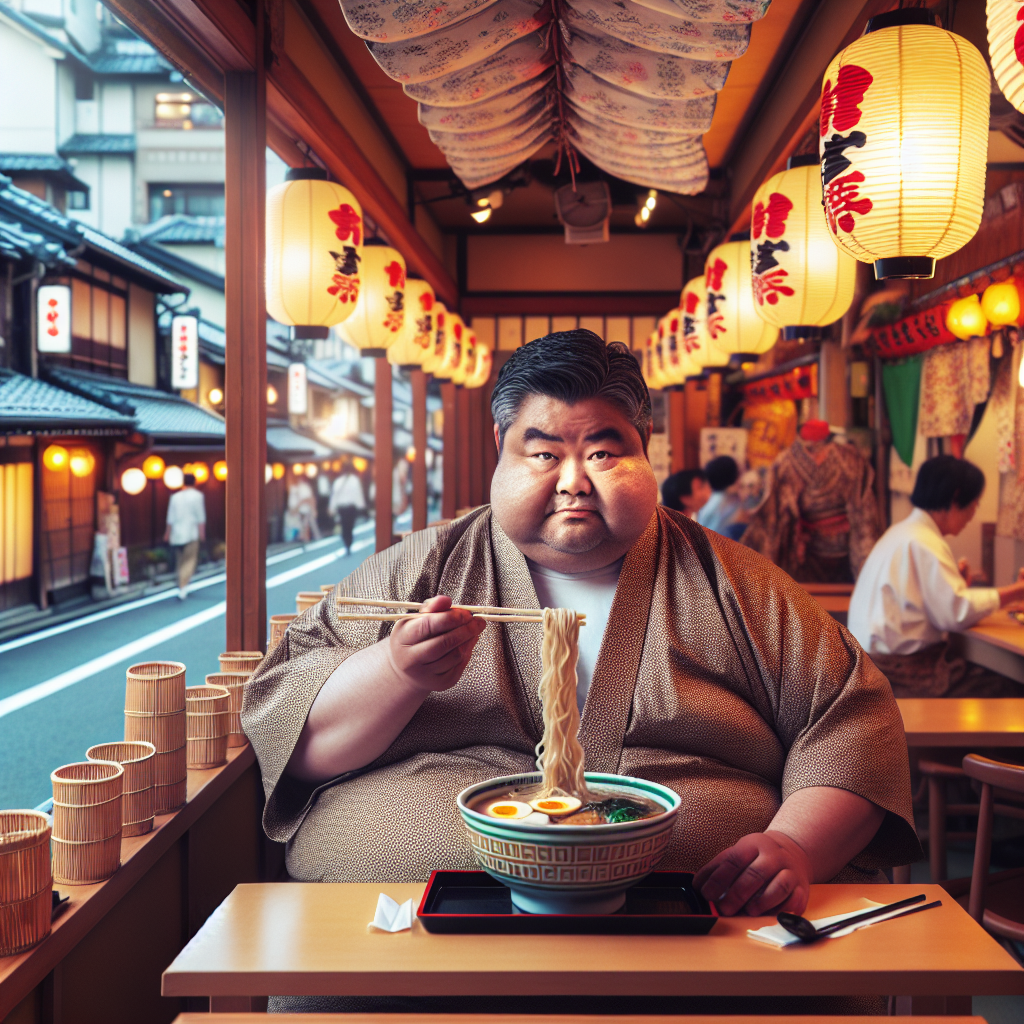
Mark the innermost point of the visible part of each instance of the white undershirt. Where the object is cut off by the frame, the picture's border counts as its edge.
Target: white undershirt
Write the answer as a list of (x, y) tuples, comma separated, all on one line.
[(590, 593)]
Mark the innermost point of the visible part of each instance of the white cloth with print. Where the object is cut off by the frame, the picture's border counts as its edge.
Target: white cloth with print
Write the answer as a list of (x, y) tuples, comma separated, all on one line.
[(186, 512)]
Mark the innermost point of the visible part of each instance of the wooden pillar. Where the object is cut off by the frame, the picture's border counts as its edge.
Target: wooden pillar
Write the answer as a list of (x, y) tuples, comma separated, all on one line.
[(677, 428), (465, 445), (245, 369), (450, 463), (476, 450), (419, 440), (383, 451)]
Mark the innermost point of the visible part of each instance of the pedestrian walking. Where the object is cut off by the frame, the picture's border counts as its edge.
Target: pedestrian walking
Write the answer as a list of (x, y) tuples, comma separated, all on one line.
[(186, 527), (347, 502)]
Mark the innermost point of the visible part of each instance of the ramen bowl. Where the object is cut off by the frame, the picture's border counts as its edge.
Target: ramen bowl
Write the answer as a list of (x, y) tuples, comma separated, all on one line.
[(569, 869)]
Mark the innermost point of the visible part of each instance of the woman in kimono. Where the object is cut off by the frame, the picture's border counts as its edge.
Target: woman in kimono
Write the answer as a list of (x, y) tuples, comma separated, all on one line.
[(702, 666)]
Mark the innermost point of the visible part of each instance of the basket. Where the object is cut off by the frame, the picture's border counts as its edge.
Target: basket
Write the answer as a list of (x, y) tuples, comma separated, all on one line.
[(306, 599), (170, 797), (327, 588), (86, 821), (234, 683), (136, 758), (165, 732), (240, 661), (156, 687), (25, 880), (208, 711), (278, 625)]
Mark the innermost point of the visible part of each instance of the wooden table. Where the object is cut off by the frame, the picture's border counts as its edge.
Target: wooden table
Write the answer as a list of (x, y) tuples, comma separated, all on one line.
[(997, 642), (311, 939), (963, 721)]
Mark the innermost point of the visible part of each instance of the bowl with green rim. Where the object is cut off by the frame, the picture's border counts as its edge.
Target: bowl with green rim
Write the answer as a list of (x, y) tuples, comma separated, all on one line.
[(569, 869)]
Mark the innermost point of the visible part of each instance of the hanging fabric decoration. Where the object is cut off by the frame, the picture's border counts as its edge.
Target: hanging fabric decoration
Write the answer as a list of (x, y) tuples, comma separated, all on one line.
[(693, 303), (901, 383), (904, 141), (377, 320), (498, 79), (416, 337), (733, 322), (314, 235), (1006, 48), (802, 281)]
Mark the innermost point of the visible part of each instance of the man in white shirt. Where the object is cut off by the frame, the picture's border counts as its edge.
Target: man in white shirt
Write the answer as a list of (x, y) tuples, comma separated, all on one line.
[(911, 592), (347, 503), (186, 527)]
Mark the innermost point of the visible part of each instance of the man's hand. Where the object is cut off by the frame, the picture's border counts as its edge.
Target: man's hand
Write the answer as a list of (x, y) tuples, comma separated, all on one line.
[(764, 872), (964, 568), (431, 652)]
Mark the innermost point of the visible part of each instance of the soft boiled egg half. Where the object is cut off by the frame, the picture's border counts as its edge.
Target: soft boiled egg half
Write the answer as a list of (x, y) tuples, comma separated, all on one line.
[(510, 810), (556, 806)]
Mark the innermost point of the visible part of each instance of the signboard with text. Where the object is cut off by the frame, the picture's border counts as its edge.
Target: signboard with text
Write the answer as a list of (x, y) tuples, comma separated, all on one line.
[(298, 399), (53, 318), (184, 352)]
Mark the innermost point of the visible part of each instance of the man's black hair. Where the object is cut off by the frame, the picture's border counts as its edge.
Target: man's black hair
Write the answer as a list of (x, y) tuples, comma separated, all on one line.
[(722, 472), (190, 479), (572, 366), (678, 486), (945, 481)]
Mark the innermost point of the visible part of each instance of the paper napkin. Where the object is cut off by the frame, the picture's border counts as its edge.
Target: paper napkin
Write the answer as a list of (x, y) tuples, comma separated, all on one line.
[(776, 935), (391, 916)]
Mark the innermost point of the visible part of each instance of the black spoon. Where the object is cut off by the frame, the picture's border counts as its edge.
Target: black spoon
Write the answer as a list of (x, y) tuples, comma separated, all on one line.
[(805, 931)]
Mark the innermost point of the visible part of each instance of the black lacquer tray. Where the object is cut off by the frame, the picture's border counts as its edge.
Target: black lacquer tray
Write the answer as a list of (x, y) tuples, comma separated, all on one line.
[(664, 903)]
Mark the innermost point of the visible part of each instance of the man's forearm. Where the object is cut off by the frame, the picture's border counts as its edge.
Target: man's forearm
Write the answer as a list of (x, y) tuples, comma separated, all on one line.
[(830, 825), (356, 716)]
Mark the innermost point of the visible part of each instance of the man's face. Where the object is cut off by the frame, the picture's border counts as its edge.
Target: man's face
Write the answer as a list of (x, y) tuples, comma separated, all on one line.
[(573, 488), (699, 496)]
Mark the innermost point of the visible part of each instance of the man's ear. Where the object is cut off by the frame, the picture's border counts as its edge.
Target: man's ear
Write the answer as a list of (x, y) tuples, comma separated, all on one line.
[(497, 439)]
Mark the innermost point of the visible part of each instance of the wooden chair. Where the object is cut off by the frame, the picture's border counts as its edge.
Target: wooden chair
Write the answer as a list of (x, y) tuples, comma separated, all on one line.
[(1006, 888), (938, 776)]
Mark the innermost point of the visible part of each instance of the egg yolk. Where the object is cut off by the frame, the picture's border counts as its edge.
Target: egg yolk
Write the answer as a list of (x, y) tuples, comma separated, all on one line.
[(505, 811), (511, 809), (556, 805)]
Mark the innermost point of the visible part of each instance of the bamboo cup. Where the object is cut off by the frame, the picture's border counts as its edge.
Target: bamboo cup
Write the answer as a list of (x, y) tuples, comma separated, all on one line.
[(137, 759), (156, 687), (234, 683), (165, 732), (25, 880), (306, 599), (278, 625), (240, 661), (86, 821), (155, 713), (208, 710), (327, 588)]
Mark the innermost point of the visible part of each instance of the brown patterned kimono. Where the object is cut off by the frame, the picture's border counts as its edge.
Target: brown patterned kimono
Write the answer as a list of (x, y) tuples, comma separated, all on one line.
[(819, 520), (718, 676)]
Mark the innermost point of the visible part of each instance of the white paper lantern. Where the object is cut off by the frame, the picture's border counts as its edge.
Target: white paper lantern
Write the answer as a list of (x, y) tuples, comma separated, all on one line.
[(693, 304), (732, 321), (416, 337), (379, 315), (1006, 48)]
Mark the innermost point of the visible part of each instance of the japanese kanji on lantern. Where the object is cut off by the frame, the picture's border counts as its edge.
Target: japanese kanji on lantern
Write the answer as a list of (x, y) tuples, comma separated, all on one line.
[(734, 326), (416, 337), (314, 249), (435, 348), (653, 370), (903, 144), (674, 358), (379, 316), (802, 281), (484, 361), (451, 356), (1006, 48), (467, 364), (693, 304)]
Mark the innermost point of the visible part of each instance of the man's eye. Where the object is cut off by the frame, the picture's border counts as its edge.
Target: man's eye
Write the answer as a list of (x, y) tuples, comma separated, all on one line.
[(601, 455), (543, 456)]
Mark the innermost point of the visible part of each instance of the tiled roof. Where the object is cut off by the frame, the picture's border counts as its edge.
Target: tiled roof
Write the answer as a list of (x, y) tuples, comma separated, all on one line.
[(18, 244), (129, 64), (285, 442), (47, 164), (83, 145), (184, 229), (178, 265), (125, 255), (28, 405)]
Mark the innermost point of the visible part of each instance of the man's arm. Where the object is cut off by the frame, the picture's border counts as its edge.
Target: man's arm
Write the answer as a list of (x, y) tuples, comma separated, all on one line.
[(370, 698), (816, 832)]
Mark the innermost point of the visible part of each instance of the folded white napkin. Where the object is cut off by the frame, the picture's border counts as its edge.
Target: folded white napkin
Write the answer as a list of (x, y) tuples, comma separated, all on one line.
[(776, 935), (390, 916)]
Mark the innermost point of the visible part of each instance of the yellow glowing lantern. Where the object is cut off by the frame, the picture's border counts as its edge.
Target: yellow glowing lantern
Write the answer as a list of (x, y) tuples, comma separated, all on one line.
[(174, 478), (133, 481), (377, 320), (435, 350), (966, 319), (410, 454), (311, 470), (220, 470), (416, 337), (733, 324), (467, 364), (201, 471), (215, 396), (653, 372), (1001, 302), (271, 395), (359, 464), (55, 457), (454, 344), (675, 359), (484, 363), (153, 467), (298, 468), (693, 305), (904, 141), (1006, 48), (802, 281), (268, 473), (314, 248), (278, 470), (82, 462)]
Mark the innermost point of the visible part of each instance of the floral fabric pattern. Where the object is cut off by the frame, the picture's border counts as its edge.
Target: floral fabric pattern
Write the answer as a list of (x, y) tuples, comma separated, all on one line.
[(946, 409)]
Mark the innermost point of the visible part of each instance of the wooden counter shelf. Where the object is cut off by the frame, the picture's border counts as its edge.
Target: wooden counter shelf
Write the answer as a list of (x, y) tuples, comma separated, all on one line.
[(997, 642), (89, 903), (963, 721)]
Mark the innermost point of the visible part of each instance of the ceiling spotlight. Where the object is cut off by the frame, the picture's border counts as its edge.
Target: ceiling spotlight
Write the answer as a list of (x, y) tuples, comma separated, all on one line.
[(483, 201), (496, 198), (645, 213), (652, 199), (481, 216)]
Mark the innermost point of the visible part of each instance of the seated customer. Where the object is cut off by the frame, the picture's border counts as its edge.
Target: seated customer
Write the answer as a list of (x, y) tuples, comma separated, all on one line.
[(911, 593), (722, 512), (687, 491)]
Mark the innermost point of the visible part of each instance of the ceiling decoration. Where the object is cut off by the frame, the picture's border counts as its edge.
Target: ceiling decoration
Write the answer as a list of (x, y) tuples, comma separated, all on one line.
[(630, 85)]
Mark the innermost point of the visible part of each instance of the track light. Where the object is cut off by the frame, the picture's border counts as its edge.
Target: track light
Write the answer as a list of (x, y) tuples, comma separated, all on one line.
[(652, 199), (481, 216)]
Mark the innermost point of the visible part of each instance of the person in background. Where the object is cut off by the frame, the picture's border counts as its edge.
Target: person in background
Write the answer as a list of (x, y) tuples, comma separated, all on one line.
[(911, 592), (347, 503), (686, 491), (719, 512), (186, 527)]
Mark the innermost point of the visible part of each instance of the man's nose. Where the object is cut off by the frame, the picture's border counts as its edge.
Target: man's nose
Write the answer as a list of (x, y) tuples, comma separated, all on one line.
[(573, 478)]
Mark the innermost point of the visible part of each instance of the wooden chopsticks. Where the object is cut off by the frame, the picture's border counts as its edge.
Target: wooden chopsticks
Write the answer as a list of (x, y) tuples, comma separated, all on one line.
[(400, 611)]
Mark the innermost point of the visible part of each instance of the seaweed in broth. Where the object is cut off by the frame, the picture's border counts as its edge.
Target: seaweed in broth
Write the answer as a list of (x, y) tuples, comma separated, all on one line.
[(608, 807)]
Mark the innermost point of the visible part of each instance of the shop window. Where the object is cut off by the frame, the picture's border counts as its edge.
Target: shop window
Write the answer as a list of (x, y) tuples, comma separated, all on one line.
[(78, 200), (195, 199), (16, 499), (66, 540), (99, 328), (185, 110)]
